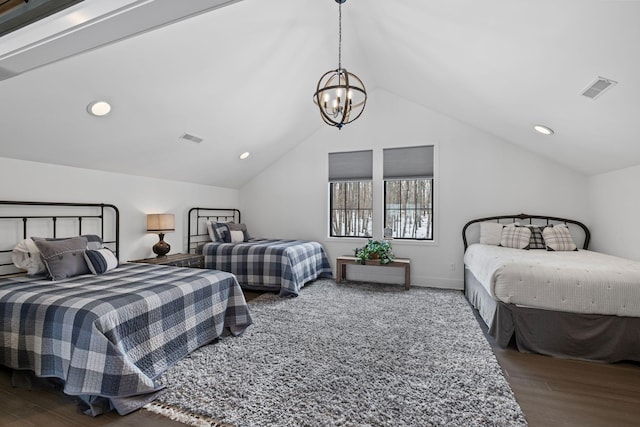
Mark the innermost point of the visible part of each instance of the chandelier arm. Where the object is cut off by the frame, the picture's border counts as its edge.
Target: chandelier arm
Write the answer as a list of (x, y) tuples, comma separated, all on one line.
[(345, 85)]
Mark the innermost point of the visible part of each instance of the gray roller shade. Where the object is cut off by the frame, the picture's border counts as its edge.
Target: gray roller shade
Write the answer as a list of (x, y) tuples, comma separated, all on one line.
[(408, 162), (351, 166)]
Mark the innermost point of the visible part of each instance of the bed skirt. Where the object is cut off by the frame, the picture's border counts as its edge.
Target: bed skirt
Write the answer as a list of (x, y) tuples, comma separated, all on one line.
[(590, 337)]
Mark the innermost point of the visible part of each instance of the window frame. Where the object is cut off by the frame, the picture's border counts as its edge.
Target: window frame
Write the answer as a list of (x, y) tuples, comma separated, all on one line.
[(432, 209), (378, 216), (346, 209)]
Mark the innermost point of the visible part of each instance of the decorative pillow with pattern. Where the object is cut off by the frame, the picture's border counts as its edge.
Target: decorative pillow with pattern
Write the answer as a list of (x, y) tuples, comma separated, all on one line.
[(536, 241), (100, 261), (239, 227), (218, 231), (558, 238), (515, 237)]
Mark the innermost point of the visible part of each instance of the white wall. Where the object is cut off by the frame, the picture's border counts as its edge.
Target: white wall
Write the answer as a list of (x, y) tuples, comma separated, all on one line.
[(614, 205), (477, 175), (134, 196)]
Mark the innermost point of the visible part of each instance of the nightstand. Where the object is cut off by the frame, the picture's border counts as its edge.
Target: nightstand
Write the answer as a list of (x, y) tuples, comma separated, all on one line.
[(176, 260)]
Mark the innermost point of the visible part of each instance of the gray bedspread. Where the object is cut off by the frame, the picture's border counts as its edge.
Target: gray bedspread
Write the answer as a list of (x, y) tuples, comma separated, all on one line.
[(111, 336)]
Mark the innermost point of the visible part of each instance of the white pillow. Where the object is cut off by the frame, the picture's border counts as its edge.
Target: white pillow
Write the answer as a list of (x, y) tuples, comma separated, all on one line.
[(26, 256), (515, 237), (558, 238), (210, 231), (490, 233), (237, 236)]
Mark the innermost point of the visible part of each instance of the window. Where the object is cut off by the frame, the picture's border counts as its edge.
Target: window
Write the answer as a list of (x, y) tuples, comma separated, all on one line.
[(408, 192), (351, 194)]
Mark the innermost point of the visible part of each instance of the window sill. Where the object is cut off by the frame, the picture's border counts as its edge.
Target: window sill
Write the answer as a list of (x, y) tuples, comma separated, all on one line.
[(347, 239), (394, 242), (401, 242)]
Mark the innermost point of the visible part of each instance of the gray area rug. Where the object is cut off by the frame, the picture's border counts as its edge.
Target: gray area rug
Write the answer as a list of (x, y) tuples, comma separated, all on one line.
[(347, 355)]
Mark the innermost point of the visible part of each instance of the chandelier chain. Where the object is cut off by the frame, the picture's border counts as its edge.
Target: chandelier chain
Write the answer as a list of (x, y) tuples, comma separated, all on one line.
[(339, 36)]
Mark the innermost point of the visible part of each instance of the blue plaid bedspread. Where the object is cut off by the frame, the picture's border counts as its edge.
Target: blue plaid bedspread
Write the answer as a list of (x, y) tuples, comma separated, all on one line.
[(282, 265), (113, 335)]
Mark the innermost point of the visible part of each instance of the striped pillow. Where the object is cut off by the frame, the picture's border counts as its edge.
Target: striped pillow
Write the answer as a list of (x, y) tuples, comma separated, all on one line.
[(100, 261), (558, 238), (515, 237)]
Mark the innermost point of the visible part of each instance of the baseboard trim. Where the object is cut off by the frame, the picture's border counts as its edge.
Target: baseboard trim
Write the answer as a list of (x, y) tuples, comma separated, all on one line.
[(437, 282)]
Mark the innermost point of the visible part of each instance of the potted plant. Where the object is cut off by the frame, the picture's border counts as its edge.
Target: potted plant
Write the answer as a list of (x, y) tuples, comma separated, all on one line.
[(375, 249)]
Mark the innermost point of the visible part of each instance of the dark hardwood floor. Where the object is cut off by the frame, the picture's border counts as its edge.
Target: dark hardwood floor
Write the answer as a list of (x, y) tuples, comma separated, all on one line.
[(561, 392), (550, 391)]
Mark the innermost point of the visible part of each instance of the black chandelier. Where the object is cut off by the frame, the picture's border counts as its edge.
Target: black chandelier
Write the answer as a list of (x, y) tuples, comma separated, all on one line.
[(340, 95)]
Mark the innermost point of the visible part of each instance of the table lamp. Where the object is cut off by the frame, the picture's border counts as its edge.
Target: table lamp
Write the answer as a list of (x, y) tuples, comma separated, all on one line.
[(161, 224)]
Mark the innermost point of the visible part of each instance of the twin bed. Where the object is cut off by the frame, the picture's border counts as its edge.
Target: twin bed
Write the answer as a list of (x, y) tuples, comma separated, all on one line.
[(107, 337), (564, 303), (277, 265)]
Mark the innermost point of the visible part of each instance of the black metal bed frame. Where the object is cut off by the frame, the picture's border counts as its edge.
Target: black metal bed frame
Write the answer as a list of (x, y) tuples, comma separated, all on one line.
[(197, 219), (521, 217), (54, 218)]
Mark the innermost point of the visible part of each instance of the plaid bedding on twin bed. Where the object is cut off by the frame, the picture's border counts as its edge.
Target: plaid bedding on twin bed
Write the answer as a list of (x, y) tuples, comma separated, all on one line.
[(113, 335), (283, 265)]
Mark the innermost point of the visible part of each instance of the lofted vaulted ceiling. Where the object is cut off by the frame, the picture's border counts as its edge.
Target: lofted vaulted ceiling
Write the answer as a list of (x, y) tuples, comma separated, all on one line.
[(241, 76)]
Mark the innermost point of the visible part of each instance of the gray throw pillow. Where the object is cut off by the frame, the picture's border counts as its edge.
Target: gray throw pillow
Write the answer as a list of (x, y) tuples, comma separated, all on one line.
[(64, 258), (239, 227), (94, 242)]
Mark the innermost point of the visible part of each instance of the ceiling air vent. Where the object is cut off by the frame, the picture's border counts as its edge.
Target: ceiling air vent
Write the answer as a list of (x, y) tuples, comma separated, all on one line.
[(192, 138), (598, 87)]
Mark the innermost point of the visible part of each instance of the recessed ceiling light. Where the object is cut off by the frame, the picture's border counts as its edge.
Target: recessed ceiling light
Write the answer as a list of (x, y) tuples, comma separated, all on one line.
[(543, 129), (244, 155), (99, 108)]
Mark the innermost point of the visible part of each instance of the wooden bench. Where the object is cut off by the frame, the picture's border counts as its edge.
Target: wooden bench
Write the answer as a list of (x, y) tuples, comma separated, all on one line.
[(343, 261)]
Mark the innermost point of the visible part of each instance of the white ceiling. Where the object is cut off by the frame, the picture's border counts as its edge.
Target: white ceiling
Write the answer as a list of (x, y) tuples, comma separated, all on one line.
[(242, 77)]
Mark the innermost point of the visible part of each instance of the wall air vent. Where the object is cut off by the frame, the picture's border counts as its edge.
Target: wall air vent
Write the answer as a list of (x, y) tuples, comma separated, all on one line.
[(598, 87), (192, 138)]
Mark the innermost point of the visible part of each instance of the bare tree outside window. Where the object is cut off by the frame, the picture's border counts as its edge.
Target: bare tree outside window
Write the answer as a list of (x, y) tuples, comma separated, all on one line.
[(408, 208), (351, 209)]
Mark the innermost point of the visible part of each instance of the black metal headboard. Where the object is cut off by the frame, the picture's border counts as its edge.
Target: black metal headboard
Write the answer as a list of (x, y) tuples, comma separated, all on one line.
[(530, 218), (197, 227), (16, 217)]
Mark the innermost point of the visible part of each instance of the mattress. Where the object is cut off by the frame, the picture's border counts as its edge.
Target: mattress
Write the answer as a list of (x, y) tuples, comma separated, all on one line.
[(575, 281)]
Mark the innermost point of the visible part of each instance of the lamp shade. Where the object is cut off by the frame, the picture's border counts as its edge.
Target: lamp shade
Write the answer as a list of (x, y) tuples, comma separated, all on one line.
[(161, 223)]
